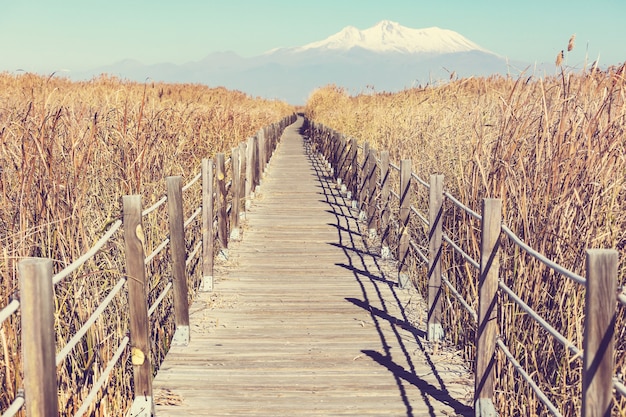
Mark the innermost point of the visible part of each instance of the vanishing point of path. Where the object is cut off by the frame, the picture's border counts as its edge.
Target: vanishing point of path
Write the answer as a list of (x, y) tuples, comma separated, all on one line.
[(304, 320)]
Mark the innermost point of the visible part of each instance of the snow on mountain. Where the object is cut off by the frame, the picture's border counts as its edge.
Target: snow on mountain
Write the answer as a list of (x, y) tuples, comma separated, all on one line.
[(388, 36)]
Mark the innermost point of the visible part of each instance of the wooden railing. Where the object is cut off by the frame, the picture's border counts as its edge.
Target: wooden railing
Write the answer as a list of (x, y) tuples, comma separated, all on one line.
[(225, 197), (367, 176)]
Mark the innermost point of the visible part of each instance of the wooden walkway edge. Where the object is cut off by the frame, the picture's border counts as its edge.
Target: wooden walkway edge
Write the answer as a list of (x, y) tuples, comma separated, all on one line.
[(305, 320)]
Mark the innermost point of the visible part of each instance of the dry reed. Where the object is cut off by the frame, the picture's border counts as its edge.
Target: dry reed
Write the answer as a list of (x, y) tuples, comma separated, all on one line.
[(68, 152), (554, 150)]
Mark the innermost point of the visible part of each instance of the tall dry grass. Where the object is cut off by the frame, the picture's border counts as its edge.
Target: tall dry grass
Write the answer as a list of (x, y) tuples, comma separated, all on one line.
[(554, 149), (68, 152)]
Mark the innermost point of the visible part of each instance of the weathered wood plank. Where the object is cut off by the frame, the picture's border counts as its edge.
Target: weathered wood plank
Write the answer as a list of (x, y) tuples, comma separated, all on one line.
[(305, 320)]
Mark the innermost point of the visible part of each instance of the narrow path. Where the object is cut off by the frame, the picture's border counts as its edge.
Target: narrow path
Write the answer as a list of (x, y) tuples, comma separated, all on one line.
[(304, 320)]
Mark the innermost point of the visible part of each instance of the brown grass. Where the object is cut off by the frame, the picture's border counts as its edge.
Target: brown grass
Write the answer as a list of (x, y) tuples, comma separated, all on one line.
[(554, 150), (68, 152)]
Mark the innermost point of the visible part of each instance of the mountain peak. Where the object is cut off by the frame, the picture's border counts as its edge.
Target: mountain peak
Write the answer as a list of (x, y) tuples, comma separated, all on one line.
[(388, 36)]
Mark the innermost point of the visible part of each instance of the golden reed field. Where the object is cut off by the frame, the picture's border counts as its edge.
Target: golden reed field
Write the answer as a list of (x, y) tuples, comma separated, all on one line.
[(69, 152), (554, 150)]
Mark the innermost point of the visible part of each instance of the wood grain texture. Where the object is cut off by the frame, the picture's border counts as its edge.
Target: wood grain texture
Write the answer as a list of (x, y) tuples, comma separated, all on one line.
[(599, 332), (176, 218), (435, 234), (487, 289), (305, 319), (38, 340), (137, 294)]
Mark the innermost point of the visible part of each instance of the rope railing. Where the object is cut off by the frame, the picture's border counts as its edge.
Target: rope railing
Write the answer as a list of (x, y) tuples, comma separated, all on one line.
[(155, 206), (193, 216), (104, 377), (542, 322), (157, 250), (71, 344), (194, 253), (462, 206), (88, 255), (15, 406), (529, 380), (192, 181), (159, 299), (460, 298), (543, 259), (461, 252), (8, 310)]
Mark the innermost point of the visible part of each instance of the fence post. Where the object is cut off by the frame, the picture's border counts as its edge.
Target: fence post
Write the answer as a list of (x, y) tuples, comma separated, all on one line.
[(222, 215), (250, 170), (435, 220), (138, 307), (38, 340), (262, 155), (208, 242), (354, 172), (243, 169), (363, 179), (256, 157), (372, 180), (179, 258), (405, 210), (487, 324), (342, 168), (385, 213), (599, 332), (234, 211)]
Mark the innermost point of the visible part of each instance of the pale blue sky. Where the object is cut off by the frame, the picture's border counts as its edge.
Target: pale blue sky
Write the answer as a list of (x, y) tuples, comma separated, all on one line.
[(49, 35)]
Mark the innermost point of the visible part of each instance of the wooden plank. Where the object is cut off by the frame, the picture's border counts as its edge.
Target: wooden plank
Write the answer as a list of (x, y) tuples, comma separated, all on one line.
[(305, 320)]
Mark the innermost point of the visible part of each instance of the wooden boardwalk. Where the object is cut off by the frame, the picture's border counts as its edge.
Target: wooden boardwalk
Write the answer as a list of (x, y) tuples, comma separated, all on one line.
[(305, 320)]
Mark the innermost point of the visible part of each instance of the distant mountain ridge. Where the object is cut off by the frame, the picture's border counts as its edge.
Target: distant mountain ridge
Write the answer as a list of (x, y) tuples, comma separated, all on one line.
[(388, 56)]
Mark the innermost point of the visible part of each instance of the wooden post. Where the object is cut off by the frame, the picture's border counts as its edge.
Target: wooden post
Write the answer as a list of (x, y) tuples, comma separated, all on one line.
[(342, 159), (599, 332), (262, 155), (405, 210), (250, 169), (256, 175), (354, 171), (138, 304), (234, 211), (222, 215), (385, 213), (372, 182), (435, 220), (179, 258), (487, 324), (208, 234), (363, 179), (38, 341), (243, 169)]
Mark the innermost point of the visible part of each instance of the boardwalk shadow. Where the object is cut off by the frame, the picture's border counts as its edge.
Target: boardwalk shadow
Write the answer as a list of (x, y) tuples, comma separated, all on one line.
[(381, 299)]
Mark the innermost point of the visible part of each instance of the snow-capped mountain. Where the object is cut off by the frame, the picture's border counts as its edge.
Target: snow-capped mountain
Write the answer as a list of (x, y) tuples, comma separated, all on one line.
[(389, 36), (388, 56)]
